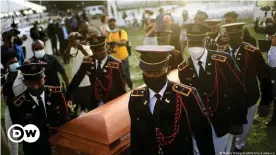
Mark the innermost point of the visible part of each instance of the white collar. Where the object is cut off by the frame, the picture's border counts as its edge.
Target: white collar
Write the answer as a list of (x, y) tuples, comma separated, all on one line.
[(230, 48), (203, 58), (42, 97), (102, 63), (161, 92)]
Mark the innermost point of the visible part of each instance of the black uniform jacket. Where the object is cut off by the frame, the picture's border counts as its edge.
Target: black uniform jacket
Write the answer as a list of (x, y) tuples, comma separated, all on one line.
[(26, 111), (107, 84), (221, 88), (253, 67), (182, 118)]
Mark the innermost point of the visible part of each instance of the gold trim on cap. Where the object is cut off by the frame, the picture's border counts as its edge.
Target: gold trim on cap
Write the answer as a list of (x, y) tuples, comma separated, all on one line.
[(34, 73), (157, 63)]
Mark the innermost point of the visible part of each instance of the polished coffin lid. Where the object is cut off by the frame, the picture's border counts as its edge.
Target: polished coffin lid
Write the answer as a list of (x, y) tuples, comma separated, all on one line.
[(100, 127)]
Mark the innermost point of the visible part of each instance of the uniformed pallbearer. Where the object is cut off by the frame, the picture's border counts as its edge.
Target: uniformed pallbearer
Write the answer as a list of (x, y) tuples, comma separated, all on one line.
[(252, 65), (41, 105), (166, 116), (105, 73), (219, 83)]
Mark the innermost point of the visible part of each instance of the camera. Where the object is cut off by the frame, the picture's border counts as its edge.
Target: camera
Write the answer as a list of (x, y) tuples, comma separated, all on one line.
[(265, 8), (13, 32), (77, 36)]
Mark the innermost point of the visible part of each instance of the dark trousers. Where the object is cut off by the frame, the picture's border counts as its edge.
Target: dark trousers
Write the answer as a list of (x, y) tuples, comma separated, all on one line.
[(274, 111), (54, 45), (127, 73), (82, 97)]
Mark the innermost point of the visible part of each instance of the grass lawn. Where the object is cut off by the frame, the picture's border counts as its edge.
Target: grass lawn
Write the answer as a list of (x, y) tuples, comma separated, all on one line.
[(261, 138)]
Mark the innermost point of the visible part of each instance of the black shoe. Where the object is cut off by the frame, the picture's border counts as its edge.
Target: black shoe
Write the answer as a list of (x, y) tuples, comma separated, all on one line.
[(271, 123), (237, 150)]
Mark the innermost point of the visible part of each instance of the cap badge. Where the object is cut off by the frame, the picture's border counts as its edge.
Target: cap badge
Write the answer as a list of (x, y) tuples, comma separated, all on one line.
[(167, 101), (33, 67), (145, 102)]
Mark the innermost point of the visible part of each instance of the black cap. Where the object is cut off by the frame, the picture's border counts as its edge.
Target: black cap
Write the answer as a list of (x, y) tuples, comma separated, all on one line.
[(33, 71), (197, 32), (97, 41), (153, 58), (212, 22), (234, 28), (5, 56), (163, 33)]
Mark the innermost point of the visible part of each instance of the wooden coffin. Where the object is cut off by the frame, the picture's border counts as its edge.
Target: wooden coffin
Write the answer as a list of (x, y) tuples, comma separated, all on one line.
[(103, 131)]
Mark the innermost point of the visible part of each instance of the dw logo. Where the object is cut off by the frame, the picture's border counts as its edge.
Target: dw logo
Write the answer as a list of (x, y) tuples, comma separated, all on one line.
[(17, 133)]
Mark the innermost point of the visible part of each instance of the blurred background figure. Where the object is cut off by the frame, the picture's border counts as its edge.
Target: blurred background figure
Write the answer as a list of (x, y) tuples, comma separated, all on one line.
[(104, 27), (183, 36), (13, 43), (38, 32), (200, 17), (150, 28), (159, 19), (118, 48), (52, 34), (175, 35), (62, 33)]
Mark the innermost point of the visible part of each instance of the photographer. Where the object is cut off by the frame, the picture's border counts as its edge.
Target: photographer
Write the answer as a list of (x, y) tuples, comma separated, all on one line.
[(268, 25), (38, 33), (13, 43), (76, 50), (272, 63), (117, 40)]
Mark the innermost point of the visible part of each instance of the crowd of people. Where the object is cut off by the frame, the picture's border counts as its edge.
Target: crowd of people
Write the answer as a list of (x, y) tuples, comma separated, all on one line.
[(214, 102)]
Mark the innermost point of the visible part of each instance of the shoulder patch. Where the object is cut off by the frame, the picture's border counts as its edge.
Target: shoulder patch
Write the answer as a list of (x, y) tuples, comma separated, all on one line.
[(225, 39), (138, 92), (250, 48), (87, 59), (112, 65), (218, 57), (19, 100), (183, 65), (54, 89), (221, 47), (182, 89)]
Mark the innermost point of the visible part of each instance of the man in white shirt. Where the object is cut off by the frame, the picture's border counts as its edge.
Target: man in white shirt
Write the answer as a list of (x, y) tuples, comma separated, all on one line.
[(272, 63), (77, 50)]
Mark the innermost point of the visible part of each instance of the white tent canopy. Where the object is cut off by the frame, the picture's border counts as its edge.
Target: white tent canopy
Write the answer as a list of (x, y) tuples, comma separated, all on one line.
[(8, 6)]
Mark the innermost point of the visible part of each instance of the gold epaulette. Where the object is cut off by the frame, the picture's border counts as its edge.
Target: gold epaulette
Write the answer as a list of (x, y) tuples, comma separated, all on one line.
[(112, 65), (182, 89), (19, 100), (138, 92), (218, 57), (54, 89), (183, 65), (250, 48), (87, 59), (222, 47), (225, 39)]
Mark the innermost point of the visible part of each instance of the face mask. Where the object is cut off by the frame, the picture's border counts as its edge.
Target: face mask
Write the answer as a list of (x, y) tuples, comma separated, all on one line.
[(13, 67), (196, 52), (51, 21), (114, 30), (155, 83), (36, 92), (39, 54)]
